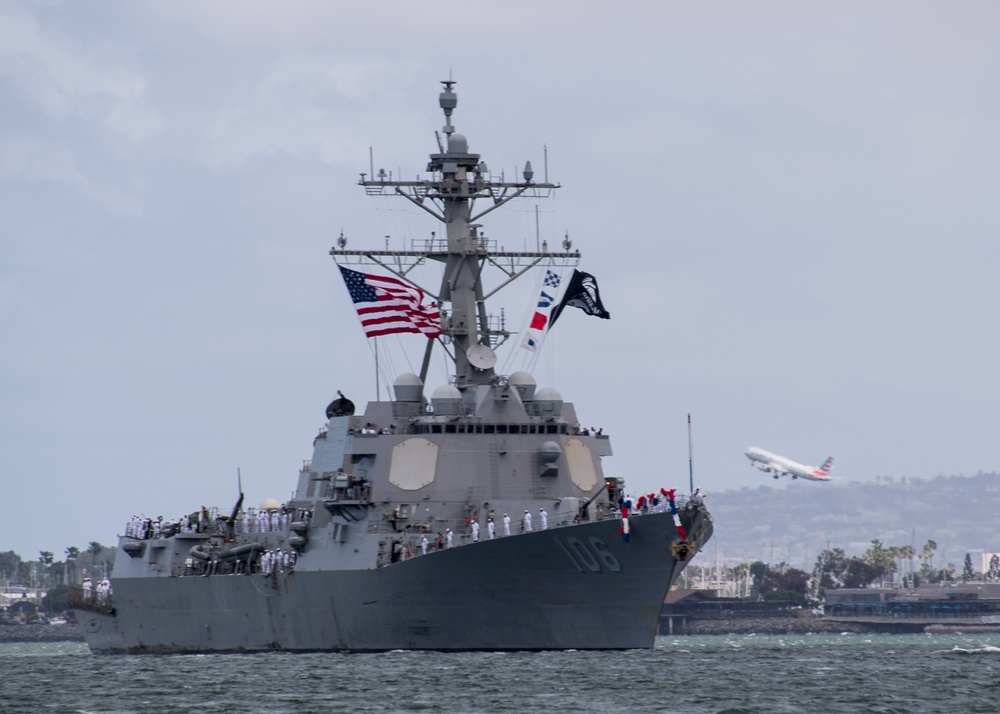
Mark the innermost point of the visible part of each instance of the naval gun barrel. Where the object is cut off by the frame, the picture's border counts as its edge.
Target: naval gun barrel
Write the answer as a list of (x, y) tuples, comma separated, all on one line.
[(231, 526), (586, 505)]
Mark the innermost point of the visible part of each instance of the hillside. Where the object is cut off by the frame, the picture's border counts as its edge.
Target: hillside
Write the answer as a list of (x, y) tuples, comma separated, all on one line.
[(794, 523)]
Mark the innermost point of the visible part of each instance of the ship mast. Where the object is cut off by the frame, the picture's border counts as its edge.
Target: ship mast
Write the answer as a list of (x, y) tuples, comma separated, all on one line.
[(458, 179)]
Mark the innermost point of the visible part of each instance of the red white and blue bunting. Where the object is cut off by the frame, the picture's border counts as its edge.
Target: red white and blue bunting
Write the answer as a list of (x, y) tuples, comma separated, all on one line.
[(652, 502)]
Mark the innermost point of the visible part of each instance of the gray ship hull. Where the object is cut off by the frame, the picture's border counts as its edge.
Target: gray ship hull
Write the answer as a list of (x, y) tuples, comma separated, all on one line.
[(577, 587), (332, 568)]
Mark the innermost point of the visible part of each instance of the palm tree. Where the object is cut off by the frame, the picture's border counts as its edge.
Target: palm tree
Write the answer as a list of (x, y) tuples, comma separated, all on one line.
[(906, 553), (46, 558), (94, 550), (72, 553)]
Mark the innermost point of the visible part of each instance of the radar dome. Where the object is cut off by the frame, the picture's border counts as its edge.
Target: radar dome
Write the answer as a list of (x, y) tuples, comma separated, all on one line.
[(549, 401), (548, 394), (525, 385), (269, 504), (549, 452), (447, 400), (458, 144), (408, 387)]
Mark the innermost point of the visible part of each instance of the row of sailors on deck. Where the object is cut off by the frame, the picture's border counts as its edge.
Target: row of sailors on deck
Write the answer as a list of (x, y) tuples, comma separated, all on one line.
[(526, 527), (259, 522), (447, 539), (274, 561), (274, 520), (269, 562), (143, 528), (370, 428), (270, 521), (102, 590)]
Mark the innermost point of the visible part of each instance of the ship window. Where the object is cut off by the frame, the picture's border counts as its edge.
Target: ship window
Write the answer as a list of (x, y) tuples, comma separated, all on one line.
[(552, 429), (461, 428), (479, 428), (449, 428), (531, 428), (435, 428), (501, 428), (489, 428)]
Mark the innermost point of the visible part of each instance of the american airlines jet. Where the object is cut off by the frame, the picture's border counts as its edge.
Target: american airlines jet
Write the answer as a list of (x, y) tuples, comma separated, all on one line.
[(780, 466)]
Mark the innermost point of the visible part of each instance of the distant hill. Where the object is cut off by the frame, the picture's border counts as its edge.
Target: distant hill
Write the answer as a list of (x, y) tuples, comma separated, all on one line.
[(795, 523)]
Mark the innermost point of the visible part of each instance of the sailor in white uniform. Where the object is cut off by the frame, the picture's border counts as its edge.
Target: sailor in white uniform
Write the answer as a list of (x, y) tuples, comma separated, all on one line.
[(475, 531), (527, 522), (423, 545), (506, 524), (491, 528), (545, 518), (449, 535)]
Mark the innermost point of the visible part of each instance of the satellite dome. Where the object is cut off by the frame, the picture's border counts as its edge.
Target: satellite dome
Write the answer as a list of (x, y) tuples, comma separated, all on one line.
[(548, 394), (447, 400), (525, 385), (549, 401), (408, 387), (458, 144), (549, 452), (269, 504), (446, 391)]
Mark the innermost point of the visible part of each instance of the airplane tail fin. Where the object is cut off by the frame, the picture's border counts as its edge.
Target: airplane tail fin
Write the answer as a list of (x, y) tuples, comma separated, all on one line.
[(824, 470)]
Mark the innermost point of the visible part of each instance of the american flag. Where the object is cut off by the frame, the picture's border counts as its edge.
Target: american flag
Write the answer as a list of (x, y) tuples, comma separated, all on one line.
[(387, 305)]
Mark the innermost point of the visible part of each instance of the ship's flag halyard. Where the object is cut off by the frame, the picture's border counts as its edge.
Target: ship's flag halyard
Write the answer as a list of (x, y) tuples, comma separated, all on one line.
[(387, 305), (581, 292), (540, 319)]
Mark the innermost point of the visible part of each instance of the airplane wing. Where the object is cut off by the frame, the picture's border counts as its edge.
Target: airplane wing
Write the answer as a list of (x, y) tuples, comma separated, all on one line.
[(771, 468)]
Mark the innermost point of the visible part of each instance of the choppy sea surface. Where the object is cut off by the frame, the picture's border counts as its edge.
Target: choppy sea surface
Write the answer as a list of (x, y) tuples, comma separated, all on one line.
[(687, 675)]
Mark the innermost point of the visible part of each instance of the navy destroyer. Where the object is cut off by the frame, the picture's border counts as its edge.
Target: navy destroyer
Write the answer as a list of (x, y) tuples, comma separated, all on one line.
[(477, 519)]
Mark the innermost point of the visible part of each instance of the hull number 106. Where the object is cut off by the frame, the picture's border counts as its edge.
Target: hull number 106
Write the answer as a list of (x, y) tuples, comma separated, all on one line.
[(592, 555)]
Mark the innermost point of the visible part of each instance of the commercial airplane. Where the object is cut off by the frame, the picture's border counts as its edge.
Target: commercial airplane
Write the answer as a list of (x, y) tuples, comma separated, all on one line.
[(780, 466)]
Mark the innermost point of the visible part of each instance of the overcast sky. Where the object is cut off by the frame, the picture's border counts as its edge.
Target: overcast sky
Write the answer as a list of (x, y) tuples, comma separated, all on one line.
[(791, 209)]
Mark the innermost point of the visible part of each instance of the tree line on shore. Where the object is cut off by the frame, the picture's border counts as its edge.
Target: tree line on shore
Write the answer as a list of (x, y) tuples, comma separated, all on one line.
[(53, 576), (879, 566)]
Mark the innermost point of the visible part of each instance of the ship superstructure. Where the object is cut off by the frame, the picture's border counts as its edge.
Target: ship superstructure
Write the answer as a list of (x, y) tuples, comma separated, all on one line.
[(478, 517)]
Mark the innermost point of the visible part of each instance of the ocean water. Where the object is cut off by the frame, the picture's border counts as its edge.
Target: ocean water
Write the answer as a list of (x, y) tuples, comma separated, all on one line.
[(686, 675)]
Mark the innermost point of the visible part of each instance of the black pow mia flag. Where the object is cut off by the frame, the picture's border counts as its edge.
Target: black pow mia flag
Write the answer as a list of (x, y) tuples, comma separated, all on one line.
[(581, 292)]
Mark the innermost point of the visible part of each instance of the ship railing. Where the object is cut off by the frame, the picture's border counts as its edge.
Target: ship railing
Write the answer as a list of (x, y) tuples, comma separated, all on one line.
[(406, 534), (246, 564), (216, 523), (254, 520), (90, 600), (205, 520)]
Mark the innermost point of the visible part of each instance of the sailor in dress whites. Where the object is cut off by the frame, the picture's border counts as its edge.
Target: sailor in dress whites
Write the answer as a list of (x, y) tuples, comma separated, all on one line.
[(491, 527), (527, 522), (545, 518), (475, 531), (423, 545), (506, 524)]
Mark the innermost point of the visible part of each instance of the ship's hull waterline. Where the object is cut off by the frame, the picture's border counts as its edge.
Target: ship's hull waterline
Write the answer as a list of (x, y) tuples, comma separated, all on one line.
[(578, 587)]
